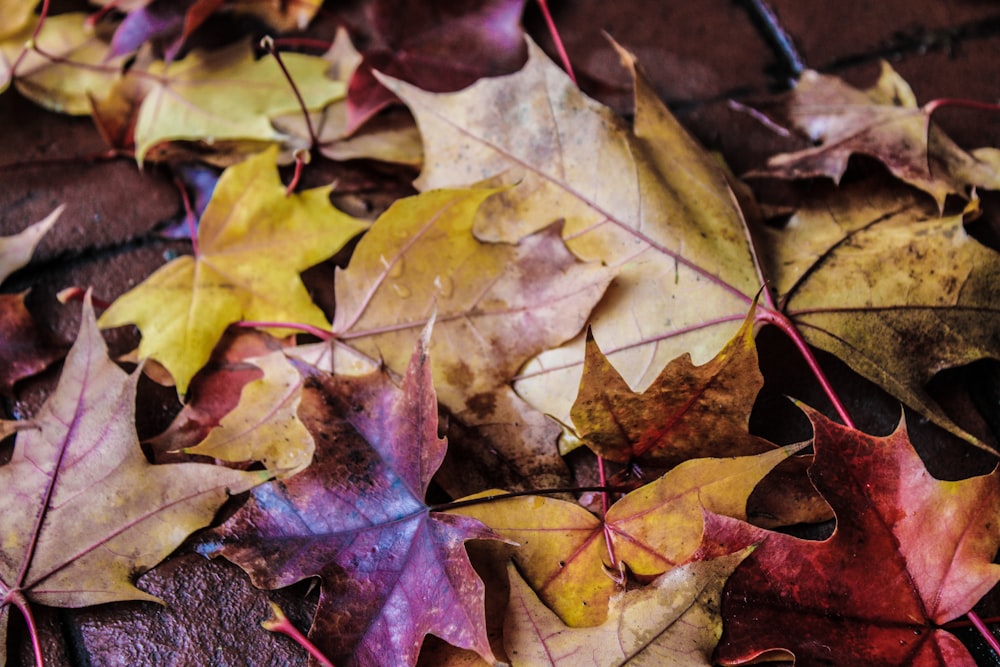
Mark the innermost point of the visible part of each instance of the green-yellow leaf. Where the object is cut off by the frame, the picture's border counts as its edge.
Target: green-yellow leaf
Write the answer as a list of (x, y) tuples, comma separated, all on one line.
[(253, 242), (227, 95)]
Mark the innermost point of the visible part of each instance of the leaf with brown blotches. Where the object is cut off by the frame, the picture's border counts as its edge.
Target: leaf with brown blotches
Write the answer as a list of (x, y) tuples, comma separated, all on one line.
[(883, 122)]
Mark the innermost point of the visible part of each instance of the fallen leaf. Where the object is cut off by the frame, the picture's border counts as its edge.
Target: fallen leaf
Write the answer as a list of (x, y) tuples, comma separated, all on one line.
[(68, 65), (897, 323), (25, 350), (497, 304), (265, 425), (16, 15), (227, 95), (675, 620), (688, 412), (391, 569), (650, 202), (563, 548), (909, 554), (215, 391), (184, 307), (439, 47), (82, 527), (16, 250), (883, 122)]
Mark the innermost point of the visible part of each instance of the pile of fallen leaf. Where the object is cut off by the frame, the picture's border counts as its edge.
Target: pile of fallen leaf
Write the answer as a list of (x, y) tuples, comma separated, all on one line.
[(564, 279)]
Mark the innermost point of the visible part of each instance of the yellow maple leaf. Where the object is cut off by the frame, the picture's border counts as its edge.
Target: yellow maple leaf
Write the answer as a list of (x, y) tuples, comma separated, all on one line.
[(227, 95), (253, 242)]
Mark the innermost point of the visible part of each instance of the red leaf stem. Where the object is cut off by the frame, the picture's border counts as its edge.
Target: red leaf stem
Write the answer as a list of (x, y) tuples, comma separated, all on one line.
[(279, 623), (554, 32)]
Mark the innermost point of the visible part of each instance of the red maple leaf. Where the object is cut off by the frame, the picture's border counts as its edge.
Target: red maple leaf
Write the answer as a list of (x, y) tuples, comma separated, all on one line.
[(392, 571), (909, 554)]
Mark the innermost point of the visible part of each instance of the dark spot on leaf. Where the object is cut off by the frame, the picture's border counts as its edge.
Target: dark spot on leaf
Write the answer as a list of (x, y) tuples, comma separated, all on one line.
[(482, 404)]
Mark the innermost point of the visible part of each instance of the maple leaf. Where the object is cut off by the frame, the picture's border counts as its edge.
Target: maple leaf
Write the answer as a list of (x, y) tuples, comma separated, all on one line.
[(440, 47), (391, 569), (25, 349), (883, 122), (563, 548), (77, 527), (497, 304), (265, 425), (931, 543), (64, 67), (651, 202), (185, 306), (215, 391), (688, 412), (675, 620), (934, 307), (227, 95)]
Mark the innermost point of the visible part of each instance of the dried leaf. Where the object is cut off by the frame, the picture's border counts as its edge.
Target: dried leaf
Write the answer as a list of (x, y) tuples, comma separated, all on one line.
[(675, 620), (688, 412), (16, 251), (883, 122), (82, 528), (563, 548), (496, 305), (227, 95), (183, 308), (391, 569), (265, 425)]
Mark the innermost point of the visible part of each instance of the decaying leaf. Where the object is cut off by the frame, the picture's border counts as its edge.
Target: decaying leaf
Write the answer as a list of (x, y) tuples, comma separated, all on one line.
[(392, 571), (909, 553), (265, 425), (82, 527), (563, 548), (933, 306), (496, 305), (688, 412), (227, 95), (183, 308), (883, 122), (675, 621)]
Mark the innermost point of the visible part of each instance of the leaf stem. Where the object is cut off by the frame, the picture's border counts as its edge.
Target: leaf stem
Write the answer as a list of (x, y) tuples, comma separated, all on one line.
[(768, 316), (188, 215), (42, 15), (458, 504), (554, 32), (978, 623), (322, 334), (279, 623), (934, 105), (17, 598), (267, 43)]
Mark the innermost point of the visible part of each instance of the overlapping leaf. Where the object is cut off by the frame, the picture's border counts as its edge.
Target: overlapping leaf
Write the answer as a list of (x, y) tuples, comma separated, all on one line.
[(227, 95), (883, 122), (649, 200), (183, 308), (391, 569), (563, 548), (675, 621), (78, 526), (497, 304), (24, 348), (909, 553), (688, 412)]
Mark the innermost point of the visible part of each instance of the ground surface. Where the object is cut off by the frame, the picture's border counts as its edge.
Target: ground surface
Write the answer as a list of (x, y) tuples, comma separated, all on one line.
[(698, 54)]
